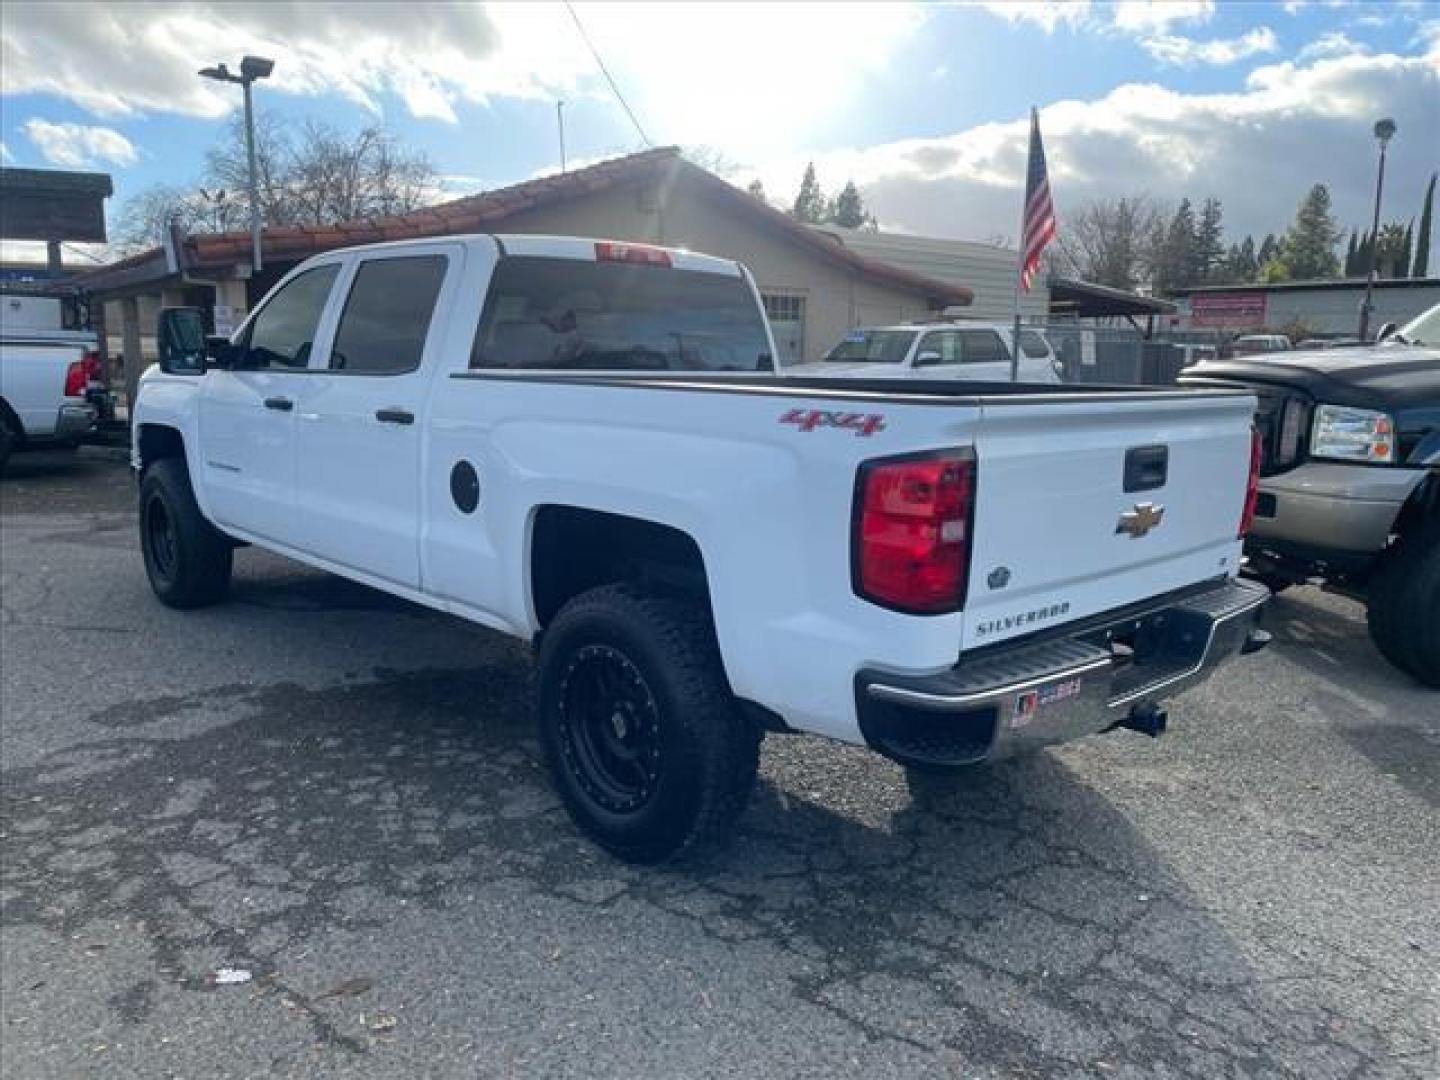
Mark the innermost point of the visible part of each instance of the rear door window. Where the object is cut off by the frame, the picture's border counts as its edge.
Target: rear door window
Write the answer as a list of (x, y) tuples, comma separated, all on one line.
[(572, 314), (387, 315), (981, 347)]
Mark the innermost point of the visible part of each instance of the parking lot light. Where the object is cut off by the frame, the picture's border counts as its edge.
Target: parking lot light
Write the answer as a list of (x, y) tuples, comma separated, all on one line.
[(252, 68)]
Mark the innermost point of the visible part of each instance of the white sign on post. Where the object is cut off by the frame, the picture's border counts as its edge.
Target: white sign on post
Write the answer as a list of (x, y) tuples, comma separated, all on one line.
[(224, 320), (1087, 347)]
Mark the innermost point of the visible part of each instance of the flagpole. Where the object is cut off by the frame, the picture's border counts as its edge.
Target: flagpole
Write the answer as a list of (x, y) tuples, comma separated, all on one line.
[(1020, 264)]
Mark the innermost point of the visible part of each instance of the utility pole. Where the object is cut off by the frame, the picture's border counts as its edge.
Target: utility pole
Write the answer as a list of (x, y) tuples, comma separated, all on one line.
[(1384, 132), (560, 120), (252, 69)]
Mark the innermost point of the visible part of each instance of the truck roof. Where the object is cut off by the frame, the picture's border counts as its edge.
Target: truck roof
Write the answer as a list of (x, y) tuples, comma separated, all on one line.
[(558, 247)]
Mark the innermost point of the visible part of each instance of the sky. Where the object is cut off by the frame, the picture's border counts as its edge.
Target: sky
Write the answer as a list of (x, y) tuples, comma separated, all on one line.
[(924, 106)]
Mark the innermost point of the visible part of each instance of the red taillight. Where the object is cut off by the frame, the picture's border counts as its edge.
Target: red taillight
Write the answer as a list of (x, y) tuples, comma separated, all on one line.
[(75, 379), (94, 372), (912, 531), (610, 251), (1252, 485)]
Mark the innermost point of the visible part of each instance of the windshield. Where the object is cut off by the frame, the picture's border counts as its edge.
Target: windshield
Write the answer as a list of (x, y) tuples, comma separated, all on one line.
[(872, 346), (569, 313), (1421, 330)]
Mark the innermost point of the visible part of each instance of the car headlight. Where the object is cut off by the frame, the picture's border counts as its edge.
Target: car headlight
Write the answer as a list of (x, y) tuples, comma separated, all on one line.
[(1352, 434)]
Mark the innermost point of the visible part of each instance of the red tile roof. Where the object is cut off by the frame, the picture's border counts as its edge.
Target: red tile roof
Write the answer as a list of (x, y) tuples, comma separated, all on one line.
[(488, 212)]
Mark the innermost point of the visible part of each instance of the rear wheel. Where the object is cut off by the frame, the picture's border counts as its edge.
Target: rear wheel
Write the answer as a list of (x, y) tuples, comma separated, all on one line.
[(187, 559), (646, 746), (1403, 607)]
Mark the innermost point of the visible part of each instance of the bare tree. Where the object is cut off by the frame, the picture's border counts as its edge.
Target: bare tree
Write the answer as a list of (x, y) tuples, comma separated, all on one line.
[(317, 175), (1106, 241)]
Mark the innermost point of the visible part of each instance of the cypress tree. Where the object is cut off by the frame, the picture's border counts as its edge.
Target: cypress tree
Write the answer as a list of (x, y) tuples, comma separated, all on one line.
[(1350, 253), (1421, 266)]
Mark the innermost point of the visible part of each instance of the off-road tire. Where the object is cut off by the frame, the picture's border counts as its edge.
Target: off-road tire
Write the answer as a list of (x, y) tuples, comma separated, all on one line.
[(192, 567), (706, 752), (1403, 606), (8, 441)]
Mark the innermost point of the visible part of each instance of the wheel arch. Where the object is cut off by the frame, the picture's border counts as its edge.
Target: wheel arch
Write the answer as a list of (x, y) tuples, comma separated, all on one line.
[(574, 549)]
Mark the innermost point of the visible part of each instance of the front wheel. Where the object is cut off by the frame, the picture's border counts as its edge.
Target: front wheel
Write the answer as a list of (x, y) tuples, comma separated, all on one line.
[(1403, 606), (645, 744), (187, 559)]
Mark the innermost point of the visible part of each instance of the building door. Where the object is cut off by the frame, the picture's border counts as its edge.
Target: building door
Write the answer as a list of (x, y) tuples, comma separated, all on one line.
[(787, 324)]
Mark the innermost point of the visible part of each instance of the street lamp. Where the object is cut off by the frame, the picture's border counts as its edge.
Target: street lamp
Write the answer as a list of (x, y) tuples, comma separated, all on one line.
[(1384, 132), (252, 68)]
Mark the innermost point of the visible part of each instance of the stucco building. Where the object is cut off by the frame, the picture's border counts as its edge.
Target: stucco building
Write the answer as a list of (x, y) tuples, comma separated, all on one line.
[(814, 286)]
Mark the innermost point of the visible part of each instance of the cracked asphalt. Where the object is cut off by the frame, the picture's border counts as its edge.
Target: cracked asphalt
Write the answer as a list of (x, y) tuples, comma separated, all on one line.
[(342, 794)]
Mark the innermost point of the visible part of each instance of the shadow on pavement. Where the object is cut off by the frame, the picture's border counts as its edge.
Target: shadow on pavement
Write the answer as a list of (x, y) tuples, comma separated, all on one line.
[(1023, 924)]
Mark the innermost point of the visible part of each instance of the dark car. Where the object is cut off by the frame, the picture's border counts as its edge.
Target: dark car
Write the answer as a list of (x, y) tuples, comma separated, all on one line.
[(1350, 479)]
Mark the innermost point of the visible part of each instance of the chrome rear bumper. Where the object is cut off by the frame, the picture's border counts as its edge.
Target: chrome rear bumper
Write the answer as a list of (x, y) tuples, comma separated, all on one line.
[(1010, 699)]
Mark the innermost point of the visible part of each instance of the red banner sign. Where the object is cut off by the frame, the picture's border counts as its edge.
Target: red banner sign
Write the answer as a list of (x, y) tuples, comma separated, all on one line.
[(1237, 310)]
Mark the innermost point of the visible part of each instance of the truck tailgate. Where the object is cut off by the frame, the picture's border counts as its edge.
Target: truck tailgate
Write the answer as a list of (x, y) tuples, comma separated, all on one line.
[(1057, 535)]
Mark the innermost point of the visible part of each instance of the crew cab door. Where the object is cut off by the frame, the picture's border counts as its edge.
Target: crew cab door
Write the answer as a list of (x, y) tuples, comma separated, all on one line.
[(359, 416), (247, 413)]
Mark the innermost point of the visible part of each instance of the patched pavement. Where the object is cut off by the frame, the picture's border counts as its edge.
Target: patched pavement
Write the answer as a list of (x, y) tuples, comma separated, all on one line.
[(341, 794)]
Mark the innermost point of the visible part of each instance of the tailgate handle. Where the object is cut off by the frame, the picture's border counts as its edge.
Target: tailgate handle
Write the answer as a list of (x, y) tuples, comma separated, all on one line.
[(1146, 467)]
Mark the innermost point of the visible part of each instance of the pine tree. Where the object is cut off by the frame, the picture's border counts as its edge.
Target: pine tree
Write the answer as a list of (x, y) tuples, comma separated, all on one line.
[(849, 209), (1390, 250), (757, 189), (1403, 270), (810, 203), (1208, 244), (1350, 253), (1244, 267), (1309, 246), (1267, 250), (1176, 262), (1421, 266)]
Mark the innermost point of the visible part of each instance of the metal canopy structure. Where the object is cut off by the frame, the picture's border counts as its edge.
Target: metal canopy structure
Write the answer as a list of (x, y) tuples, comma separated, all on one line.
[(1085, 300)]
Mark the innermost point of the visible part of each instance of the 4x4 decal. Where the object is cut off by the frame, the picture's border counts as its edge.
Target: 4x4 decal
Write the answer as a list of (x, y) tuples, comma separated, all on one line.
[(862, 424)]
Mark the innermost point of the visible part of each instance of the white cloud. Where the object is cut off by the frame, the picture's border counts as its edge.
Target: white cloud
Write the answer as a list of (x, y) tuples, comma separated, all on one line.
[(1149, 16), (78, 146), (5, 154), (1046, 14), (693, 72), (1258, 150), (1187, 52), (1331, 43)]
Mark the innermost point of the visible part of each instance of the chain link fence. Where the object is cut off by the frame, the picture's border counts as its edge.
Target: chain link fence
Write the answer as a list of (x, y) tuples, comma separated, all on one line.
[(1125, 356)]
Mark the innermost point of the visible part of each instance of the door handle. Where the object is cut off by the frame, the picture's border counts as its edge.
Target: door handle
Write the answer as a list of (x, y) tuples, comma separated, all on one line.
[(394, 416), (284, 404)]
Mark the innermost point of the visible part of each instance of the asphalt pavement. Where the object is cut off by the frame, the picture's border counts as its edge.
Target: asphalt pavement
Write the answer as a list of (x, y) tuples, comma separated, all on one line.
[(341, 795)]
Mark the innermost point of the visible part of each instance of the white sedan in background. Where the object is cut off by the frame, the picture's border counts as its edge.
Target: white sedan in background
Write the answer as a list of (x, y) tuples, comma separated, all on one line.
[(972, 351)]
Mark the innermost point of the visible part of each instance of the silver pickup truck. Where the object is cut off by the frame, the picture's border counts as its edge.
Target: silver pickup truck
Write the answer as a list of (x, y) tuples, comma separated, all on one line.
[(46, 380)]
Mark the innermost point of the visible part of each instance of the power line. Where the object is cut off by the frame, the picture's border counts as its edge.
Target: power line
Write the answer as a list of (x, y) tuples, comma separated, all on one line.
[(606, 72)]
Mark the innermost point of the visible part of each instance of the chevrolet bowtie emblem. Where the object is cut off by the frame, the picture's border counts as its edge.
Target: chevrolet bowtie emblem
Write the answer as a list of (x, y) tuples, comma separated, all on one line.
[(1140, 520)]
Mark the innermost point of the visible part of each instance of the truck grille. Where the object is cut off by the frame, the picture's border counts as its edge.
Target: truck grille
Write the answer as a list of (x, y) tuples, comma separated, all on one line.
[(1283, 419)]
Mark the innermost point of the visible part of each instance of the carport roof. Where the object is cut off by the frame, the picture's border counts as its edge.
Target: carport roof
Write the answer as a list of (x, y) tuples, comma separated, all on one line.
[(1087, 300), (489, 211)]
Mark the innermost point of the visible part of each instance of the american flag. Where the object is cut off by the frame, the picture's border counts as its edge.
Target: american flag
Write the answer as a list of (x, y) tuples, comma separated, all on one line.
[(1039, 224)]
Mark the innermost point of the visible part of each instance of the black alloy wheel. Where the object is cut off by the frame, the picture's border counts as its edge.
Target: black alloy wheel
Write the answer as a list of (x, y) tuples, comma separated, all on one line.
[(609, 729)]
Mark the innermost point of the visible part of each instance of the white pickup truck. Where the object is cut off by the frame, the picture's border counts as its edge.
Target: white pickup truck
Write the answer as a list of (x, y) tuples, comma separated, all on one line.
[(46, 377), (584, 444)]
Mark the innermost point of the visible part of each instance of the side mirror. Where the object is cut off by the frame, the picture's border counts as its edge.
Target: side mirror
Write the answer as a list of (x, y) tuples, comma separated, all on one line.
[(180, 337), (1388, 330), (220, 353), (928, 357)]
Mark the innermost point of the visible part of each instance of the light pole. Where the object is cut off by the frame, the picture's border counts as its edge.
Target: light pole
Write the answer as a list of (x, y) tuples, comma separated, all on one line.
[(1384, 131), (252, 68)]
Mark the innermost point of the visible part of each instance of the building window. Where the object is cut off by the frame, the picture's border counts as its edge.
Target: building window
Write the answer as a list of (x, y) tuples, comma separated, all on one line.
[(786, 315), (784, 308)]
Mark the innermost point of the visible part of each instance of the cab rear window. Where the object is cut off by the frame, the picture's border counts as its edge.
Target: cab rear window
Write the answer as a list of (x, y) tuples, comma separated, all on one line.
[(569, 314)]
